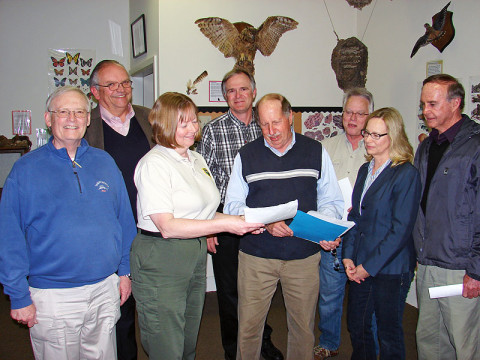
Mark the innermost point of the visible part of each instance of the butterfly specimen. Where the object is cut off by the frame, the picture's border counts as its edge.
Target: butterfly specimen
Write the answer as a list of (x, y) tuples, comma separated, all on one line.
[(85, 82), (86, 72), (72, 70), (59, 72), (60, 82), (60, 63), (86, 62), (74, 58), (73, 82)]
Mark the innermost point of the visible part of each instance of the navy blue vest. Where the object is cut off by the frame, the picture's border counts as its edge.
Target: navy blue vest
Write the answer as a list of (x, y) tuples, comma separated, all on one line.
[(273, 180), (127, 151)]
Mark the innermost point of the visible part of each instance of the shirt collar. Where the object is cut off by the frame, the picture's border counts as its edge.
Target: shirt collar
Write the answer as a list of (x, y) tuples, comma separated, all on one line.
[(447, 135), (238, 122), (275, 151), (380, 169), (115, 122), (349, 144), (176, 156)]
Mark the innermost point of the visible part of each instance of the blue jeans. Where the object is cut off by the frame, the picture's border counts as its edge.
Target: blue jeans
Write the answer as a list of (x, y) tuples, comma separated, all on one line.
[(330, 300), (386, 296)]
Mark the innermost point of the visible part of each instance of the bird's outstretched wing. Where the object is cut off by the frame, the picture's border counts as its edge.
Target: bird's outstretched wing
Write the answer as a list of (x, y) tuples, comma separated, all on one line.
[(438, 20), (221, 33), (270, 32), (420, 42)]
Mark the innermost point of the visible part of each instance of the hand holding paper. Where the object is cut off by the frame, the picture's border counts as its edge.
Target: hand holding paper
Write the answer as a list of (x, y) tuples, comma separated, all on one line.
[(271, 214)]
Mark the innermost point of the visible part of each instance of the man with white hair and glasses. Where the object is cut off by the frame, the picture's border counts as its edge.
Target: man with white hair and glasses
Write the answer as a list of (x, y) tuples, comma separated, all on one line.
[(66, 228)]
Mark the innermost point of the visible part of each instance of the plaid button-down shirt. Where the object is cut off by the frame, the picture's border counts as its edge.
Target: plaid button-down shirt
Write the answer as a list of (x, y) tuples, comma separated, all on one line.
[(222, 138)]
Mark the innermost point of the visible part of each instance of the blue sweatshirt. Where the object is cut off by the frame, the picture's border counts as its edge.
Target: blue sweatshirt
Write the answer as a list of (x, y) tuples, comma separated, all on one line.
[(63, 224)]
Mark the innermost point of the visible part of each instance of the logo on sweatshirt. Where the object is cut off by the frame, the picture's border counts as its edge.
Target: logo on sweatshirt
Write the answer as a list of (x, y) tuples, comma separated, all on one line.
[(102, 186)]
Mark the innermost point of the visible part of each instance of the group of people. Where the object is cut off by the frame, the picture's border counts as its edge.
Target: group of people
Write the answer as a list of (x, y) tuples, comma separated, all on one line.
[(81, 228)]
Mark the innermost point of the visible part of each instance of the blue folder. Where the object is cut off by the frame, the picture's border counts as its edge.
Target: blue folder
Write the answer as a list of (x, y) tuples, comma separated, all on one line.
[(309, 227)]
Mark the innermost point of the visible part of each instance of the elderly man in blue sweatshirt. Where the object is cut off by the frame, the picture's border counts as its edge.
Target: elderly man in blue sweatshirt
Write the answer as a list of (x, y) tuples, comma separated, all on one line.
[(66, 227)]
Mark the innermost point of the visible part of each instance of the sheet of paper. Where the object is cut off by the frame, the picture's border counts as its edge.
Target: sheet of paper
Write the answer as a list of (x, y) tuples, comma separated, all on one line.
[(445, 291), (347, 190), (316, 227), (267, 215)]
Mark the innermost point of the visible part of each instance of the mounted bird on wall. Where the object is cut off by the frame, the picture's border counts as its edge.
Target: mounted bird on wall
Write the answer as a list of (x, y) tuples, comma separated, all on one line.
[(241, 40), (440, 34)]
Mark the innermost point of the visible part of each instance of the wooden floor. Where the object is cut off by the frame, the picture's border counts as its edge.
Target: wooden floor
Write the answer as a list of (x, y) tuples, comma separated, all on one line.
[(15, 342)]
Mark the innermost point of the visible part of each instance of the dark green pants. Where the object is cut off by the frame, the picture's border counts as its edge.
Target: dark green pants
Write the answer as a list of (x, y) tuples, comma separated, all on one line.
[(168, 283)]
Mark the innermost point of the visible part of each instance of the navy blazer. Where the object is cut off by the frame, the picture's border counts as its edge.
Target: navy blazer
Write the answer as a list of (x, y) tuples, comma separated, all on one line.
[(382, 239)]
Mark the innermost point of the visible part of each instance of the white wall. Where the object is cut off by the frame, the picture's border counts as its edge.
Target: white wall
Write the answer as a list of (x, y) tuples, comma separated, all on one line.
[(396, 25), (29, 28), (150, 9), (299, 68)]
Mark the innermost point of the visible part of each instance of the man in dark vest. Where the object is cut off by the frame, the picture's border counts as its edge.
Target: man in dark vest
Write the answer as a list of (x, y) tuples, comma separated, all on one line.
[(221, 139), (277, 168), (122, 130)]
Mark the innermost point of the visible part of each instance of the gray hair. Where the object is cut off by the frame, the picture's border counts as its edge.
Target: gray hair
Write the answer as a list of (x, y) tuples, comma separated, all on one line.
[(94, 76), (236, 72), (63, 90), (359, 92)]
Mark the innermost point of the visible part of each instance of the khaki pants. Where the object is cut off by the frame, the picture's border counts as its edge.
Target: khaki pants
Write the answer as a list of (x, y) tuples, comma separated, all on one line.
[(76, 323), (448, 328), (257, 282)]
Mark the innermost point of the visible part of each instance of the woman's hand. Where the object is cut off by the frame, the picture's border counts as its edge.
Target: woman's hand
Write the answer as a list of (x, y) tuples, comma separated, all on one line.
[(349, 269), (238, 225), (361, 273), (279, 229)]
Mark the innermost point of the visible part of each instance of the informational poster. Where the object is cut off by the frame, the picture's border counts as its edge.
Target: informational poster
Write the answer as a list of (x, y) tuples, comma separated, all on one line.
[(215, 91), (474, 98), (70, 67)]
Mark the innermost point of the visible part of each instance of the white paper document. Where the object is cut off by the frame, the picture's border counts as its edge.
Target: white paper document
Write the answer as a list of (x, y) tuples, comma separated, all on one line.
[(347, 190), (270, 214), (445, 291)]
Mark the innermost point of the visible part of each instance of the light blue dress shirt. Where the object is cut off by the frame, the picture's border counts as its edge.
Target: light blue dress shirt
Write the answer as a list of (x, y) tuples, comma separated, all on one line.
[(329, 197)]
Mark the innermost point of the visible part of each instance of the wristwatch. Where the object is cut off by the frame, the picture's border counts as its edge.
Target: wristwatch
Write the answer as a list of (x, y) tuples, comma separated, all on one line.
[(129, 276)]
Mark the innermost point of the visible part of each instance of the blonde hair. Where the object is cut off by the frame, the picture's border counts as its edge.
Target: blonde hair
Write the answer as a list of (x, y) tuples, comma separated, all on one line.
[(170, 109), (400, 150)]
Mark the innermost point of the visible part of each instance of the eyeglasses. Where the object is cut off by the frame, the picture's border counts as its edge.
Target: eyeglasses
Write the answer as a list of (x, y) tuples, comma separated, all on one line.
[(336, 262), (65, 113), (375, 136), (358, 114), (127, 84)]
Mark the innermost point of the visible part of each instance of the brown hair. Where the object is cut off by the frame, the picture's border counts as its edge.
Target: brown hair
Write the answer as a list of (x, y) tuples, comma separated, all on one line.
[(454, 90), (400, 149), (170, 109)]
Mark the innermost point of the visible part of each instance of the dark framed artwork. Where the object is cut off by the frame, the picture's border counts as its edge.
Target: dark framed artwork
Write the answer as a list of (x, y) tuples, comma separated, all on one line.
[(139, 37)]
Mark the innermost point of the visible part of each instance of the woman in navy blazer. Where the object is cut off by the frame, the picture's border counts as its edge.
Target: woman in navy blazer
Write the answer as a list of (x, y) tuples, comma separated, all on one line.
[(378, 252)]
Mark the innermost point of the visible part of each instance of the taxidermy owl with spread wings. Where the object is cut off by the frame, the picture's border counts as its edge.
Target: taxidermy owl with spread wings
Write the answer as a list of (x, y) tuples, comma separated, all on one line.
[(241, 40)]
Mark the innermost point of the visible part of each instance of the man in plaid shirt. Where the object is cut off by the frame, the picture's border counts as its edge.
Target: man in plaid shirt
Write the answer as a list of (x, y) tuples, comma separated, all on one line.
[(221, 140)]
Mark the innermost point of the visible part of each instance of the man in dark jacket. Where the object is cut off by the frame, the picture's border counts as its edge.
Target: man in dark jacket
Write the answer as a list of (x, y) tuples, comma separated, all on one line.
[(447, 231), (122, 130)]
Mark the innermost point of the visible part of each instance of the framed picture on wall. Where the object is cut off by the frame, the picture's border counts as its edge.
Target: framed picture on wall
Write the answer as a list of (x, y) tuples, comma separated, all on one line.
[(139, 38)]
